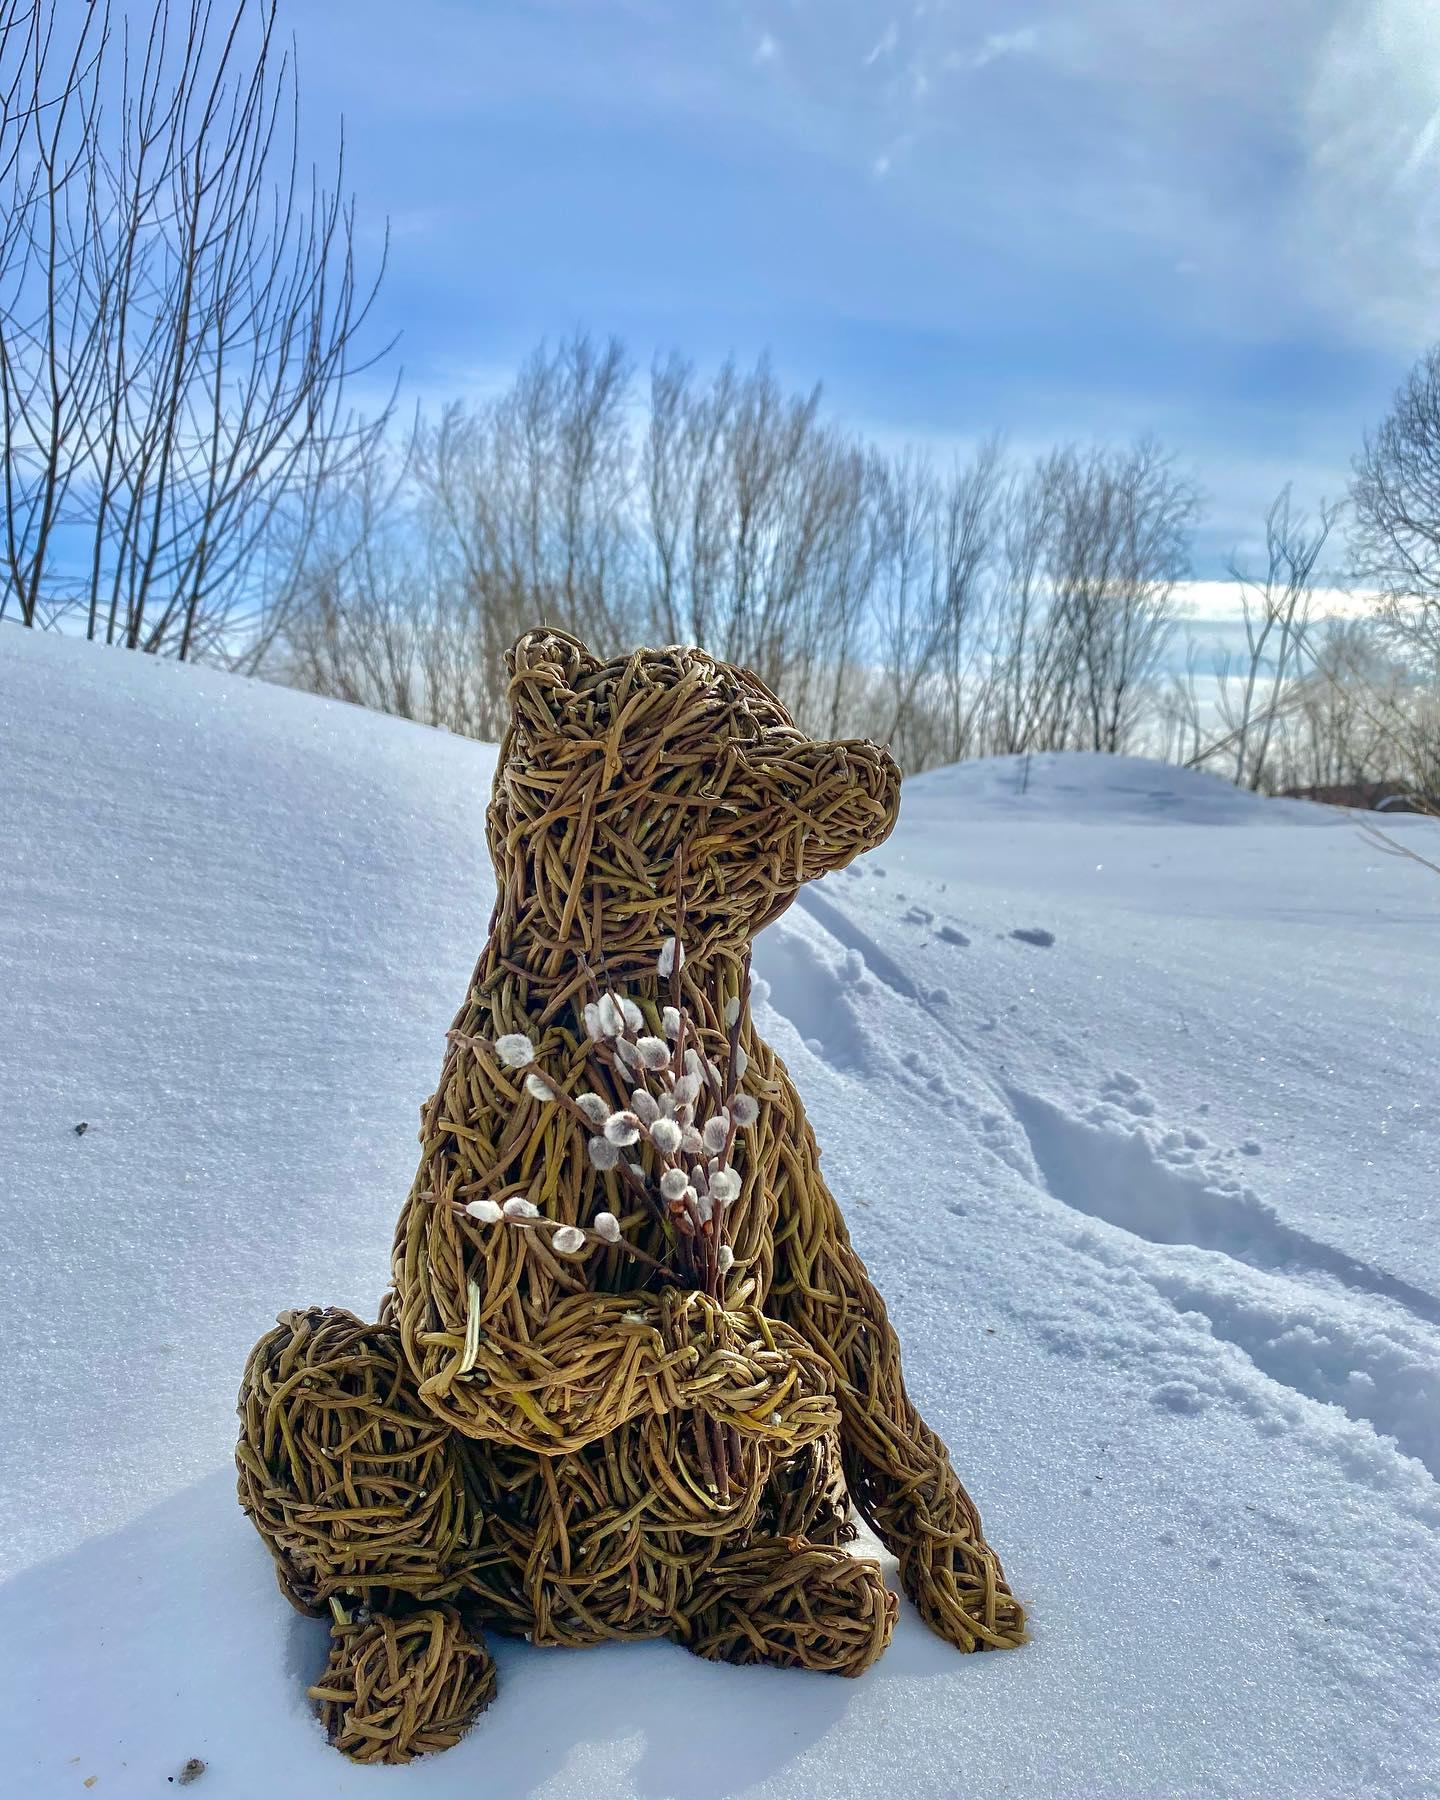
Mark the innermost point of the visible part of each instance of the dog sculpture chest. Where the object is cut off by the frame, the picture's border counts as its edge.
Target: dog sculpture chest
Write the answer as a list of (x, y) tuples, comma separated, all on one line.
[(578, 1446)]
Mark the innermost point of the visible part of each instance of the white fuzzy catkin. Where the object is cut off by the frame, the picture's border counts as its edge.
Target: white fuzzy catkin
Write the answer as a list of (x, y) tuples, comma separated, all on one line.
[(665, 1135), (725, 1185), (717, 1130), (732, 1010), (607, 1227), (612, 1020), (654, 1053), (671, 957), (634, 1018), (538, 1086), (595, 1108), (518, 1207), (592, 1019), (568, 1240), (603, 1154), (744, 1109), (486, 1211), (670, 1021), (622, 1128), (514, 1049), (673, 1183), (724, 1259), (691, 1142), (742, 1062), (645, 1106), (687, 1088)]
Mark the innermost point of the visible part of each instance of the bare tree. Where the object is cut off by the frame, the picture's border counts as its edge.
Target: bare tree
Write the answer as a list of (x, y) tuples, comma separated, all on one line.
[(933, 590), (179, 311), (379, 619), (758, 527), (1092, 547), (1275, 607), (1118, 547), (1395, 496), (525, 503), (952, 614)]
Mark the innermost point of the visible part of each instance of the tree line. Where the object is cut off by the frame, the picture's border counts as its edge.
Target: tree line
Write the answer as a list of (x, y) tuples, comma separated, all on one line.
[(183, 313)]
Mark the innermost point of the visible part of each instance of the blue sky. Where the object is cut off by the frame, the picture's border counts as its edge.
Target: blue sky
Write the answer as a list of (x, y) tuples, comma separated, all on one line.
[(1218, 222)]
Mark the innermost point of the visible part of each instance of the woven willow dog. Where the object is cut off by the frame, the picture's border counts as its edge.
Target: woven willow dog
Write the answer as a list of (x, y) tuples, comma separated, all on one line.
[(580, 1447)]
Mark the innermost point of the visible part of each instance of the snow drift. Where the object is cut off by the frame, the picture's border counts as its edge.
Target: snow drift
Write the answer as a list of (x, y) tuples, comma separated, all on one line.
[(1134, 1120)]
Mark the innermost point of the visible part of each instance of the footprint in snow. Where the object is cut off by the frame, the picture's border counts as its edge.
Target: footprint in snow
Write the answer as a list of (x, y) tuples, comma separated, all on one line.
[(1034, 934), (949, 934), (1125, 1092), (919, 915)]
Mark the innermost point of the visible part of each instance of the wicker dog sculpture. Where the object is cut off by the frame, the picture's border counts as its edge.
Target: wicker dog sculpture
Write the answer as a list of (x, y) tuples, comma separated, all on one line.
[(560, 1427)]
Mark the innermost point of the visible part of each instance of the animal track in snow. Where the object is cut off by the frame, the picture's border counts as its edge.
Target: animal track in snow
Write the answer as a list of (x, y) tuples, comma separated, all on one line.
[(1297, 1331), (1115, 1176), (882, 966), (1377, 1375), (1271, 1292), (1124, 1091), (819, 999)]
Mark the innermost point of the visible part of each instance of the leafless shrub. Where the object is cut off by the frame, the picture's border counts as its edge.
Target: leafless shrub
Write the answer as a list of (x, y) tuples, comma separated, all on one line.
[(1395, 496), (759, 531), (179, 311)]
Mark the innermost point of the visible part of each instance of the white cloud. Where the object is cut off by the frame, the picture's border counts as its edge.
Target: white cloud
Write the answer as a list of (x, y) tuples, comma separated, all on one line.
[(885, 162), (885, 46), (1219, 602), (1023, 42), (767, 49)]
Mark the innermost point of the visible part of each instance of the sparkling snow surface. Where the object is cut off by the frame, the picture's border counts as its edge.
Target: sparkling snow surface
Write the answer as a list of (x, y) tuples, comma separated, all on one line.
[(1126, 1082)]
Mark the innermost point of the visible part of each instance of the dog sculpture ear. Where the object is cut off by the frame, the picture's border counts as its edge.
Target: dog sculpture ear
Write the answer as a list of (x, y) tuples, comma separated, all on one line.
[(545, 665)]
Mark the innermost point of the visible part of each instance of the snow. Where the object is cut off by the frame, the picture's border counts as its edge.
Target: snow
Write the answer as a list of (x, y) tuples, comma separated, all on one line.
[(1126, 1084)]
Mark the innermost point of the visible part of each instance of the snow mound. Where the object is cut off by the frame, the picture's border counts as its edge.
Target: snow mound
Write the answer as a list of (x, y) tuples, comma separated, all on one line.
[(1129, 1133), (1076, 786)]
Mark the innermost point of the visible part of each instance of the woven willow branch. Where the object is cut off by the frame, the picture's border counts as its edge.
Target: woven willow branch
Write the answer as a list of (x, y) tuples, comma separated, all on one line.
[(394, 1689)]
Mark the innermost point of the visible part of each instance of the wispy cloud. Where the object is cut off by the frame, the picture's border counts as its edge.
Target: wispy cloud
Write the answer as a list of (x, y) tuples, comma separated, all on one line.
[(1023, 42), (767, 50), (893, 153), (885, 45), (1368, 221)]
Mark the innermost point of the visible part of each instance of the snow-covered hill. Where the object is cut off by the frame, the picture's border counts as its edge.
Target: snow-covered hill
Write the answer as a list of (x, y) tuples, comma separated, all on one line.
[(1125, 1081)]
